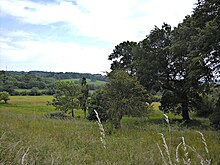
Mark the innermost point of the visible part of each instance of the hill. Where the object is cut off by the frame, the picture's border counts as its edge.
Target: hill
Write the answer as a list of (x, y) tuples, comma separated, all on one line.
[(41, 82)]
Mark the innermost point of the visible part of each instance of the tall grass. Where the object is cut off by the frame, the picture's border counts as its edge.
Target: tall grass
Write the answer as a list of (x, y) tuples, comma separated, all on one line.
[(33, 139), (101, 128), (187, 157)]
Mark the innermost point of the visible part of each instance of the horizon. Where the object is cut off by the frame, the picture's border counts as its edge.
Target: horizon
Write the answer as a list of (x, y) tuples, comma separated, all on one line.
[(102, 73)]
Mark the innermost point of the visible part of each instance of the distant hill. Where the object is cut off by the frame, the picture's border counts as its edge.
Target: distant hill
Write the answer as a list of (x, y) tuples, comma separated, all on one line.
[(61, 75), (41, 82)]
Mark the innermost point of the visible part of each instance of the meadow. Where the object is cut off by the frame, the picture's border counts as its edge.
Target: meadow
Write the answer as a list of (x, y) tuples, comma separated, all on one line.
[(28, 137), (89, 81)]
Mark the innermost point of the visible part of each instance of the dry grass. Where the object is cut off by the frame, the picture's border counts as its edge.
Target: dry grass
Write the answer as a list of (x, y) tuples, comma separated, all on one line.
[(189, 154)]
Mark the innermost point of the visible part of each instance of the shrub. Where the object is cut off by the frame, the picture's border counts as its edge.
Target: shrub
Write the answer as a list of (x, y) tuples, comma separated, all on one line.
[(206, 105), (4, 96), (57, 115), (215, 117), (96, 102)]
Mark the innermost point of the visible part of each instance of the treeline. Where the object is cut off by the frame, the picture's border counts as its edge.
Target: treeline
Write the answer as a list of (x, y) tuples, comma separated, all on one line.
[(41, 83), (60, 75)]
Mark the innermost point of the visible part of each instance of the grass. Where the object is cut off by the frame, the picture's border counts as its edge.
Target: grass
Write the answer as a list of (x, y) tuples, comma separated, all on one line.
[(28, 90), (33, 139), (96, 83), (27, 104)]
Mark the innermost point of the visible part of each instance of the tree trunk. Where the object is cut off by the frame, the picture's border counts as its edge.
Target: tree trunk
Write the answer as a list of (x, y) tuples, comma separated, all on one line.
[(117, 125), (84, 109), (185, 111), (117, 122), (72, 113)]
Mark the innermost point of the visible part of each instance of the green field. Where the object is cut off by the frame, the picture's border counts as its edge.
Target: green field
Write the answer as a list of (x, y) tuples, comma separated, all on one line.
[(28, 90), (27, 137), (96, 83)]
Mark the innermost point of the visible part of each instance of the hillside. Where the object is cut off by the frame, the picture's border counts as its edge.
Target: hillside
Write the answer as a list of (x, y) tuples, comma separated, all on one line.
[(40, 82)]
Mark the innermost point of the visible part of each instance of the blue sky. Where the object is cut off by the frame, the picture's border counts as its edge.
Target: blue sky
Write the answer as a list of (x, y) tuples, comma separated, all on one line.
[(77, 35)]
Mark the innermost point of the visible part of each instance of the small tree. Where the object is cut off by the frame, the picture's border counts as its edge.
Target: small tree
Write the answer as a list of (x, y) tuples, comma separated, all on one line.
[(66, 97), (97, 102), (84, 95), (124, 95), (34, 91), (4, 96)]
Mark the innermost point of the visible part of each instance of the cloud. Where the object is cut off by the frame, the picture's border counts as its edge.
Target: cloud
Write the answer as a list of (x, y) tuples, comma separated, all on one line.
[(9, 36), (56, 56), (50, 34), (108, 20)]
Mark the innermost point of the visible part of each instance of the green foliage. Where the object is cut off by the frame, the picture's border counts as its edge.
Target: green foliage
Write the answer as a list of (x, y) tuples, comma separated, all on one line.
[(34, 91), (206, 105), (83, 96), (17, 82), (215, 117), (56, 115), (97, 102), (180, 63), (122, 57), (4, 96), (124, 96), (66, 97), (152, 58)]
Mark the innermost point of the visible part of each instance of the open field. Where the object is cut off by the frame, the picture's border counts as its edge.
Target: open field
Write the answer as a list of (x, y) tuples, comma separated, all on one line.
[(27, 137), (28, 90), (27, 104), (97, 82)]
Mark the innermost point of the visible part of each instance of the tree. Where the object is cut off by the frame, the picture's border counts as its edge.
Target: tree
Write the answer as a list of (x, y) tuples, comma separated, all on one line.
[(34, 91), (161, 68), (123, 96), (182, 62), (66, 97), (98, 102), (153, 57), (7, 83), (215, 117), (195, 55), (84, 95), (4, 96), (170, 64), (122, 57)]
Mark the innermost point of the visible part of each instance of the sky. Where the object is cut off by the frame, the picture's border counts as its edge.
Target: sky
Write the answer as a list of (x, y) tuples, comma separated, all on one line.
[(77, 35)]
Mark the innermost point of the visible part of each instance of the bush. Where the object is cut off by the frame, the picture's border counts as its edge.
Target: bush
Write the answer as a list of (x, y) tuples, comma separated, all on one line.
[(4, 96), (96, 102), (57, 115), (215, 117), (206, 105)]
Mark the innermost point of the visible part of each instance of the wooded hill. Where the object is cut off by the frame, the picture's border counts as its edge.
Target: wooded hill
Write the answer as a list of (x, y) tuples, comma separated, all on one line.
[(41, 82)]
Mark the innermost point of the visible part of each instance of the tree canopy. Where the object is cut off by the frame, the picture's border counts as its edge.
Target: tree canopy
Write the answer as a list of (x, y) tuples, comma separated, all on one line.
[(179, 62), (122, 95), (84, 94), (4, 96), (66, 97)]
